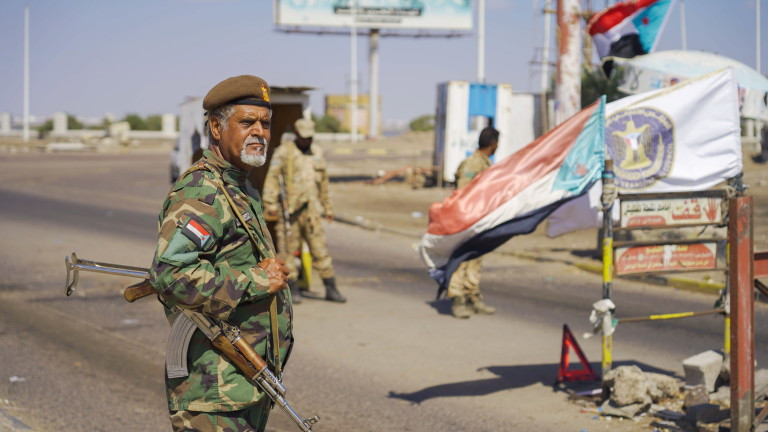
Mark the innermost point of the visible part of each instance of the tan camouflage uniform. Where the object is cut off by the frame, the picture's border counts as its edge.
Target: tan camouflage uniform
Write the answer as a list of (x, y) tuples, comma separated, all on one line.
[(465, 281), (306, 183), (218, 276)]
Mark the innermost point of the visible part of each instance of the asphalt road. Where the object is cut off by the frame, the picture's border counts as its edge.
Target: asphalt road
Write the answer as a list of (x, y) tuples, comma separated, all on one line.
[(391, 359)]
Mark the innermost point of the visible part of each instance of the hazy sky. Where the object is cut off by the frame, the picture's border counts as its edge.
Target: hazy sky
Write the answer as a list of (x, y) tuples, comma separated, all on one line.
[(90, 57)]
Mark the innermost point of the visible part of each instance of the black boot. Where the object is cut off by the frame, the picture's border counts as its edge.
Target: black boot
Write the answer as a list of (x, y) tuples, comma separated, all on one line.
[(331, 292), (295, 294)]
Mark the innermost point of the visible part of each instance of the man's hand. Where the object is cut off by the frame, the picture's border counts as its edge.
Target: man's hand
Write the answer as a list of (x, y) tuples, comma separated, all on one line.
[(277, 273)]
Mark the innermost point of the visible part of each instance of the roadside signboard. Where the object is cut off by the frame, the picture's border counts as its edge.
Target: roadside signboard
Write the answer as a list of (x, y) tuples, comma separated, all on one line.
[(648, 211), (699, 256), (407, 14)]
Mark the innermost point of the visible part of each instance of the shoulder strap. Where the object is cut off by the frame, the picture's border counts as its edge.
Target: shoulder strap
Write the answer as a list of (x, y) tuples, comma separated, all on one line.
[(197, 166), (273, 297)]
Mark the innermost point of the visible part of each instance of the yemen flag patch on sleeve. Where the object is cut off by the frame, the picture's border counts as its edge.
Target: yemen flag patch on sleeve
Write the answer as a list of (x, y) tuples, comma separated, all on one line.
[(196, 232)]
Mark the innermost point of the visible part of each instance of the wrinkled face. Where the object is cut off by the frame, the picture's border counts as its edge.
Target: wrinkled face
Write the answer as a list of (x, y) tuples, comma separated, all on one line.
[(245, 139)]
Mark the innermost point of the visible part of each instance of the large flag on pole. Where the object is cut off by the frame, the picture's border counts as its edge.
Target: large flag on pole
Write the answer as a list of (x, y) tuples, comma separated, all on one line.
[(628, 29), (681, 138), (514, 195)]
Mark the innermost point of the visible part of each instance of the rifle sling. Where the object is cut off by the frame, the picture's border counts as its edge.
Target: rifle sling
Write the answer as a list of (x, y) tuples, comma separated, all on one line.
[(273, 297)]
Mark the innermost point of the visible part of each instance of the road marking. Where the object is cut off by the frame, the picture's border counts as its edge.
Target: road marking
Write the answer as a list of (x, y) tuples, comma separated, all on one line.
[(377, 152)]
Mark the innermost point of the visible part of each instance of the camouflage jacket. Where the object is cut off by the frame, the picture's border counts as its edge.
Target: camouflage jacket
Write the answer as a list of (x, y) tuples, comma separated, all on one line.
[(306, 180), (471, 167), (206, 262)]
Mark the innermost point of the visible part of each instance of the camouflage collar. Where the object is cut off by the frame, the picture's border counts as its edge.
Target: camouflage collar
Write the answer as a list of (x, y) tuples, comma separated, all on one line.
[(229, 173)]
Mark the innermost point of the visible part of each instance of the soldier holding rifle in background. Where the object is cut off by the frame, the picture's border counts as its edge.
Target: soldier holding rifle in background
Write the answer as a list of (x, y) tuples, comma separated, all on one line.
[(215, 256), (296, 195)]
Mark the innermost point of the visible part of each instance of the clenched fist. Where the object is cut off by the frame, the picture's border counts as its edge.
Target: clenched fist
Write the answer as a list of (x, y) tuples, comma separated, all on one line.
[(277, 273)]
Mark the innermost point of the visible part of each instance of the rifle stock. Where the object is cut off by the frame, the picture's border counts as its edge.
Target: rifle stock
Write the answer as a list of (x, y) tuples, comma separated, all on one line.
[(137, 291)]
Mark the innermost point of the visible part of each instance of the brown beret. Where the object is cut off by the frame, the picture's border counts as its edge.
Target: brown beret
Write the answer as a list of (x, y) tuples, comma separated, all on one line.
[(239, 90)]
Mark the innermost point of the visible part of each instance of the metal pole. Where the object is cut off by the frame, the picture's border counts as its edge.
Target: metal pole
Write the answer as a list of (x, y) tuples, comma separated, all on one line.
[(683, 35), (607, 202), (545, 67), (373, 92), (741, 277), (25, 133), (568, 90), (353, 74), (481, 41)]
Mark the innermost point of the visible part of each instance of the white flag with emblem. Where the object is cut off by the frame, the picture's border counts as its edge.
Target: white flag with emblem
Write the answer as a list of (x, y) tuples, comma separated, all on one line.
[(681, 138)]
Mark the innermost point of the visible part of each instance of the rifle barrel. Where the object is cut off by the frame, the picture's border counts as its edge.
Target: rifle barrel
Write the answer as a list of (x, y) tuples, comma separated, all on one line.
[(75, 265), (113, 269)]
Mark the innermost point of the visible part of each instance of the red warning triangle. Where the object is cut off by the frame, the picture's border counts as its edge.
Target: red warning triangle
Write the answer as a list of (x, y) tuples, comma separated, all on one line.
[(563, 374)]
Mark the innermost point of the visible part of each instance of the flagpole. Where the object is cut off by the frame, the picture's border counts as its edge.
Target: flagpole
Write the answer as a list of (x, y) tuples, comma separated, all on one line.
[(683, 35), (607, 200)]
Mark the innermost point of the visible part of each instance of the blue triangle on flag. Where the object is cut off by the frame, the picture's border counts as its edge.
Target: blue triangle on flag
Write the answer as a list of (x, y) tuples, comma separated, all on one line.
[(650, 21)]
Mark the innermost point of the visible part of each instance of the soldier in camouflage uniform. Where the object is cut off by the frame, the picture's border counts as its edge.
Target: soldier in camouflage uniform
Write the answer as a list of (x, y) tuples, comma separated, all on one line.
[(207, 262), (299, 169), (464, 287)]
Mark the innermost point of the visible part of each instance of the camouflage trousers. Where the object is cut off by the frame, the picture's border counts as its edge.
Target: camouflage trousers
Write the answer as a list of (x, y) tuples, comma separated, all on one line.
[(465, 281), (251, 419), (305, 227)]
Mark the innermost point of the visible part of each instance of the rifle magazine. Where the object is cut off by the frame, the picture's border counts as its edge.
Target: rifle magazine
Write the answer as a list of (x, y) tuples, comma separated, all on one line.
[(177, 346)]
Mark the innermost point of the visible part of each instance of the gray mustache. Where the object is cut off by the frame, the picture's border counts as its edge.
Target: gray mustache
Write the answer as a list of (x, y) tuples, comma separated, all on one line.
[(255, 140)]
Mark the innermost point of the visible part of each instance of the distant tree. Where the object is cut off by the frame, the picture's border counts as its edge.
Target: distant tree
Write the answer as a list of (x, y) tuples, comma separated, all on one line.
[(154, 122), (136, 122), (423, 123), (327, 124), (103, 126), (73, 123), (46, 127), (594, 83)]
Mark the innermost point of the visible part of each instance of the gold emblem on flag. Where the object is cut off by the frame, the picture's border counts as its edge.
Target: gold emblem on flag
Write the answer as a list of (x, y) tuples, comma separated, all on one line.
[(641, 141)]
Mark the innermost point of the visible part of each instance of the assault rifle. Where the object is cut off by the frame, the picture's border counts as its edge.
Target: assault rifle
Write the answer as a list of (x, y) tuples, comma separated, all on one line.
[(224, 336)]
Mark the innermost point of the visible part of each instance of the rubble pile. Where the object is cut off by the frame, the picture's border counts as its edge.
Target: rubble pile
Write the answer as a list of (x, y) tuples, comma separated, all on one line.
[(666, 403)]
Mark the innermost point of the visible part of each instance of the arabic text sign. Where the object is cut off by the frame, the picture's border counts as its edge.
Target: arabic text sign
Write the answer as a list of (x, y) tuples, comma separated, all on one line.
[(671, 211), (668, 257), (409, 14)]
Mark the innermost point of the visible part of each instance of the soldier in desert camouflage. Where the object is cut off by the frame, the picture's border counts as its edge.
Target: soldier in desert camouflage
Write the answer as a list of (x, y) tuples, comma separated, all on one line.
[(208, 261), (299, 168), (464, 287)]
